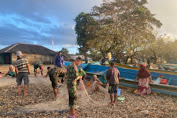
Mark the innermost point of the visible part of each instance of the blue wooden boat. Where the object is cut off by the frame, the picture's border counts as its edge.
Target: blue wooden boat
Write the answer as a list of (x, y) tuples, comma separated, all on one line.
[(128, 74)]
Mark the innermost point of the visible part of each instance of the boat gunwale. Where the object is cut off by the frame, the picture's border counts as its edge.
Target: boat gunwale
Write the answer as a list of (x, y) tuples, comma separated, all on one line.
[(151, 70)]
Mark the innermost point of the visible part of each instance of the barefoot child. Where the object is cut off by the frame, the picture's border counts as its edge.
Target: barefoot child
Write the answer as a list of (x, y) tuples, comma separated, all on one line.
[(53, 74), (11, 71)]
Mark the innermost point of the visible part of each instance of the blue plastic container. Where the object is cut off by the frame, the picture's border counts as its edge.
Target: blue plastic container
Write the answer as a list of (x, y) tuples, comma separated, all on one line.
[(118, 92), (157, 81)]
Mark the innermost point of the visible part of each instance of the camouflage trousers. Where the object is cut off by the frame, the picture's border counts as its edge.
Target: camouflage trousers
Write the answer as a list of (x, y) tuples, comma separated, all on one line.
[(72, 94)]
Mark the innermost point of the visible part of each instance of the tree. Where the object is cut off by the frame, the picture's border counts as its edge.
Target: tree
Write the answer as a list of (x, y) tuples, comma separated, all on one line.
[(84, 30), (65, 51), (127, 23), (162, 47)]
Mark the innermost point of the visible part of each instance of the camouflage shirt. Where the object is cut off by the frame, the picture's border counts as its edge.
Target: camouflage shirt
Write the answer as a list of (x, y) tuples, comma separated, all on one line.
[(72, 74), (55, 72)]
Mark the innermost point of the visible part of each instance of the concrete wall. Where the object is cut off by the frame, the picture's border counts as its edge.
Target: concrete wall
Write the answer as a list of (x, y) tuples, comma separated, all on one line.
[(45, 59)]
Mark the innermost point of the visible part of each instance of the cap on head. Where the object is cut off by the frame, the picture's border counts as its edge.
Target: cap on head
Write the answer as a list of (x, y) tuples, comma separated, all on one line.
[(19, 53)]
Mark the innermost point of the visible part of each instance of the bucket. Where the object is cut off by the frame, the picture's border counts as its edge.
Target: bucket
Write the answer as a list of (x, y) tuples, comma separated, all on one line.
[(118, 92)]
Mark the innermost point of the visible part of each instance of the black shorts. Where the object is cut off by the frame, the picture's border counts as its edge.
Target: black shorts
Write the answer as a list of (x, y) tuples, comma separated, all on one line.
[(36, 67), (54, 81), (112, 89)]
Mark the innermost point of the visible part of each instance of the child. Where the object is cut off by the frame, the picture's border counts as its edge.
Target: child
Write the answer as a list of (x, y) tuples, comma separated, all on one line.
[(11, 71), (53, 74)]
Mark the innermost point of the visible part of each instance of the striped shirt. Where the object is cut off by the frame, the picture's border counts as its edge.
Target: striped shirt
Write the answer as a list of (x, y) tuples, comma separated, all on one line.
[(21, 65)]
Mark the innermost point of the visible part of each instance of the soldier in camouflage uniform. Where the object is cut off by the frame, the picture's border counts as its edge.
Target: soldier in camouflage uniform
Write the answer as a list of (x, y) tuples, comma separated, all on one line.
[(72, 76), (53, 74)]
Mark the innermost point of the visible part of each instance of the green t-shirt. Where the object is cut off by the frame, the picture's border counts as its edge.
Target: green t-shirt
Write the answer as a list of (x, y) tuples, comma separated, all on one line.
[(82, 73)]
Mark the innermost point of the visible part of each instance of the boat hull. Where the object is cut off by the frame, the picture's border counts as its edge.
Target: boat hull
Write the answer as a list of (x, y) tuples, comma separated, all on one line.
[(128, 74)]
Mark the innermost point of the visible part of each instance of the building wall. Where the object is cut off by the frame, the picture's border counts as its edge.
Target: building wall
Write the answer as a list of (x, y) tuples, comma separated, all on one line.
[(5, 58), (45, 59)]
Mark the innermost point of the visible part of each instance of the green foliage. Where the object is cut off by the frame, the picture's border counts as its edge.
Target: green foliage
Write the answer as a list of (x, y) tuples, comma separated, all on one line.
[(84, 28), (123, 27), (64, 51)]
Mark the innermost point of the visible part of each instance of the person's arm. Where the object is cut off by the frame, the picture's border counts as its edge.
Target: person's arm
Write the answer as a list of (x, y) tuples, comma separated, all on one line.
[(47, 74), (16, 71), (136, 79), (76, 73), (28, 68), (7, 74), (62, 60), (108, 75), (151, 79)]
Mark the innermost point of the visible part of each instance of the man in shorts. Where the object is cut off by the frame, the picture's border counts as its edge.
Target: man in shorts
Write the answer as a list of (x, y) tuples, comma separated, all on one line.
[(38, 64), (22, 69), (72, 77), (113, 81), (53, 74)]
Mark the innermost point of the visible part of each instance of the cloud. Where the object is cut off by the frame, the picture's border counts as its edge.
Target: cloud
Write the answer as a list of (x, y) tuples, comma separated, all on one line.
[(37, 21), (165, 12)]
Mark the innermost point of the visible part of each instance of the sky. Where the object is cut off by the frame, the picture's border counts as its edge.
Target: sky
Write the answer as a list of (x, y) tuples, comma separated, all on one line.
[(40, 21)]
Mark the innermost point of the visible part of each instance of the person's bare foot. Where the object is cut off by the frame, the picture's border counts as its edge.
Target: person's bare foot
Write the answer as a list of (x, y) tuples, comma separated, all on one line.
[(111, 103), (25, 94), (77, 114), (114, 102)]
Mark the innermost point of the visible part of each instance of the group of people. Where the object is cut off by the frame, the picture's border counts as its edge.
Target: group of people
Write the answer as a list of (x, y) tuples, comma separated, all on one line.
[(73, 75)]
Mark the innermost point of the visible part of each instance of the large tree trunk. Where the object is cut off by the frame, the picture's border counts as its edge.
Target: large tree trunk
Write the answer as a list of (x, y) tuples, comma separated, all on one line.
[(148, 63), (155, 57), (131, 59), (126, 59)]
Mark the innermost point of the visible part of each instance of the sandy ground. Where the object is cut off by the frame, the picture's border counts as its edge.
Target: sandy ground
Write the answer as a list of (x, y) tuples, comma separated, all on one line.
[(40, 103)]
